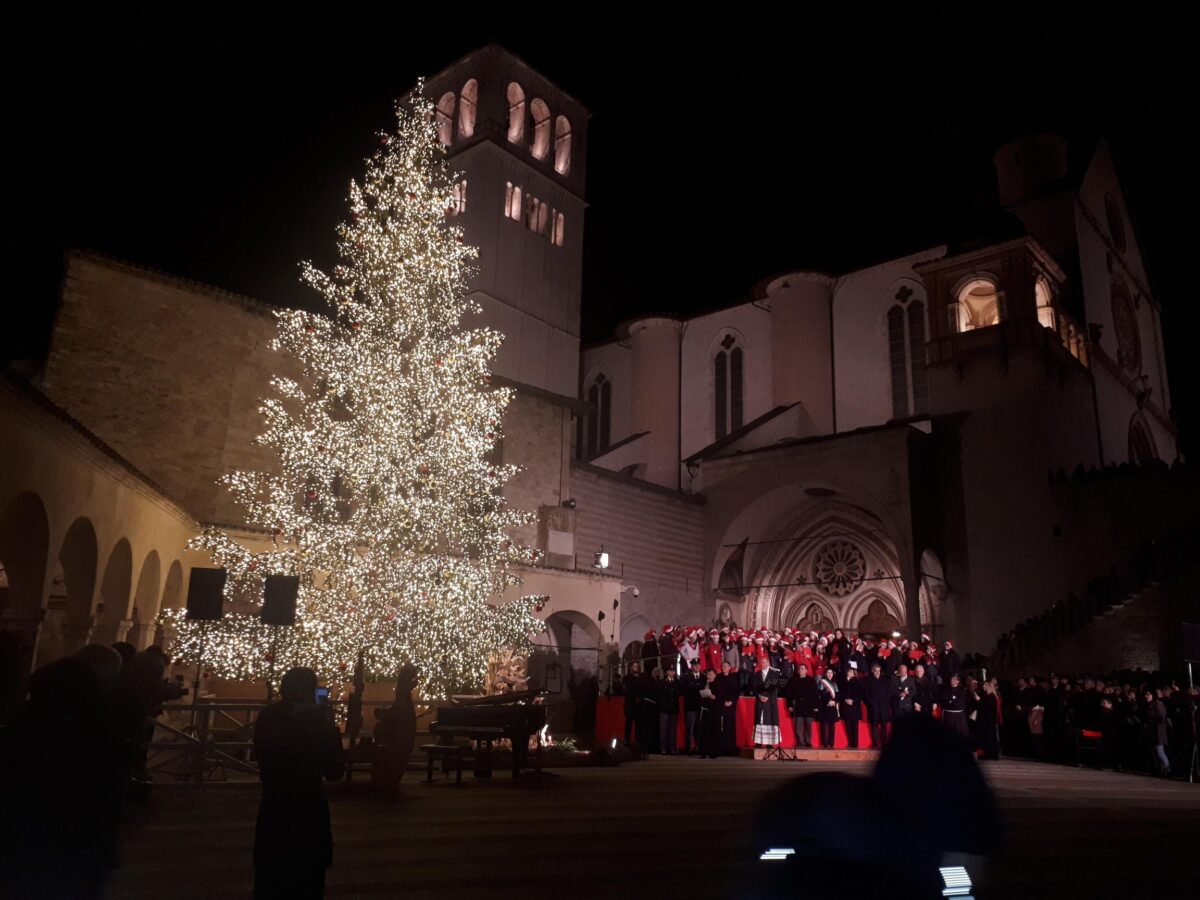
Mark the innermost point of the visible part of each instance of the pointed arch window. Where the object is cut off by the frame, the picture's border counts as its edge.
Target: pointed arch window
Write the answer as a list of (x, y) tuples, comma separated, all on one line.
[(594, 430), (906, 356), (467, 101), (728, 394)]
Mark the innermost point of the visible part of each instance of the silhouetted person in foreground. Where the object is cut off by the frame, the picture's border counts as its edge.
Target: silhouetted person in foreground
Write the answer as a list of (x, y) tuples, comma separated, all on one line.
[(59, 764), (395, 732), (296, 744), (927, 798)]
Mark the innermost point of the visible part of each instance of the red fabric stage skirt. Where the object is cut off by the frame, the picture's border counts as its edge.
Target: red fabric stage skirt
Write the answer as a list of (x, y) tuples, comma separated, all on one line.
[(610, 723)]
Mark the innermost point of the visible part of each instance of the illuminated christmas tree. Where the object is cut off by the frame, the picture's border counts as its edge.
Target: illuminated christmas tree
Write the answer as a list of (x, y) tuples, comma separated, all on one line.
[(387, 502)]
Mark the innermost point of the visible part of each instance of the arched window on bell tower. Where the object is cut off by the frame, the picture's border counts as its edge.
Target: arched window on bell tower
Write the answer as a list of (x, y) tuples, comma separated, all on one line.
[(593, 435), (906, 355), (516, 113), (728, 396), (444, 116)]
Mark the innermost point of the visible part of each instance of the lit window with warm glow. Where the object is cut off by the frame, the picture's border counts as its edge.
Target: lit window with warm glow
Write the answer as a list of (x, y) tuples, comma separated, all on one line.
[(1045, 304), (560, 226), (512, 202), (459, 205), (979, 304), (444, 115), (516, 113), (467, 101), (562, 145), (539, 146)]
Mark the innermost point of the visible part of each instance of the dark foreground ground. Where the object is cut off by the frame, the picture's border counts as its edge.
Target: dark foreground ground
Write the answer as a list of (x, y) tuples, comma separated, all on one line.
[(662, 828)]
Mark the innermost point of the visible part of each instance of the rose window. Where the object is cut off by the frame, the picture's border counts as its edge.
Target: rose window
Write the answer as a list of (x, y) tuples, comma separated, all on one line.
[(839, 568)]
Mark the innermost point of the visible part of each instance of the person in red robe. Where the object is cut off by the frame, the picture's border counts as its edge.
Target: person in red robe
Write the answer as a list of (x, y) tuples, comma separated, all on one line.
[(710, 656)]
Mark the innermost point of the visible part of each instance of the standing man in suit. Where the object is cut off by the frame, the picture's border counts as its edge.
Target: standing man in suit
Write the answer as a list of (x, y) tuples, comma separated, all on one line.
[(878, 698)]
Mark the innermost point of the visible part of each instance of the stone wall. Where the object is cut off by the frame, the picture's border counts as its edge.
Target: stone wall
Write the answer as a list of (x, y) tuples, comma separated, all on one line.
[(655, 540), (166, 372)]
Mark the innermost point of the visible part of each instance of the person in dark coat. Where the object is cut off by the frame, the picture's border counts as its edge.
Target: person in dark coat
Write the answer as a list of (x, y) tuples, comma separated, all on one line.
[(923, 692), (765, 685), (709, 725), (668, 652), (668, 712), (1156, 733), (954, 707), (295, 743), (987, 721), (827, 706), (904, 691), (850, 704), (631, 690), (690, 686), (746, 666), (728, 690), (877, 692), (802, 701), (647, 723), (649, 652)]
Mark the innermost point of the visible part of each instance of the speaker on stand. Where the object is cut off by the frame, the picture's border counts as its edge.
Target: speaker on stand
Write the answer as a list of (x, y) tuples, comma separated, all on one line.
[(278, 611), (205, 603)]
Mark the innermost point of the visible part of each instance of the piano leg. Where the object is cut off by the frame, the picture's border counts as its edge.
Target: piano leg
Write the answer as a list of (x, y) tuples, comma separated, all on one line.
[(483, 758)]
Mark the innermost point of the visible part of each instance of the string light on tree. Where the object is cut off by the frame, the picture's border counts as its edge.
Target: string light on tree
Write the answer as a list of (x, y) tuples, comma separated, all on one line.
[(386, 501)]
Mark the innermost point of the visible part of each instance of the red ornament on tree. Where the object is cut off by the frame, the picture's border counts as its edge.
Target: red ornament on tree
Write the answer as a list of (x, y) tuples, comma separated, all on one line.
[(310, 495), (423, 469)]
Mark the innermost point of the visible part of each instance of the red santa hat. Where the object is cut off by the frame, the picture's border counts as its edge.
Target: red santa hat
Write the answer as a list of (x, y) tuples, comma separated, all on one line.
[(949, 646), (649, 635), (760, 640), (745, 639), (667, 629), (925, 638)]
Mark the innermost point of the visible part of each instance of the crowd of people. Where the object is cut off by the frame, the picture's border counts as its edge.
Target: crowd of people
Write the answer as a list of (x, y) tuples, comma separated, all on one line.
[(71, 755), (1129, 720), (834, 680)]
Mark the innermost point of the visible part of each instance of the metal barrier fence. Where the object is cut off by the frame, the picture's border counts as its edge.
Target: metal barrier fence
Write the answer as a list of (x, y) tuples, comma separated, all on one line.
[(198, 743)]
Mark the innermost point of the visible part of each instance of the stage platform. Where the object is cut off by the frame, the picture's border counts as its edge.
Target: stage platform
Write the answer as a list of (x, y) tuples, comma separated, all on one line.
[(809, 754)]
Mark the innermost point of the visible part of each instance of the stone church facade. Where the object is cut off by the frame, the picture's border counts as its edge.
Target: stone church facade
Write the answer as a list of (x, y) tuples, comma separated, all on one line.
[(872, 449)]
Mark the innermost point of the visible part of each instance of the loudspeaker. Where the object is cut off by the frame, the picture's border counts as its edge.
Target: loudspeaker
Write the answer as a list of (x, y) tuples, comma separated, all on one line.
[(279, 600), (1191, 642), (205, 597)]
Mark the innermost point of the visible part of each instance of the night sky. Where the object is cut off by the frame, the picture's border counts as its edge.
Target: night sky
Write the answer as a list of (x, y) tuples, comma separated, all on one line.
[(720, 151)]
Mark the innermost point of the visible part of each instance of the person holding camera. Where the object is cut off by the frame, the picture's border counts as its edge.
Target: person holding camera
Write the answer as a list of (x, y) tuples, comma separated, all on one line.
[(296, 745)]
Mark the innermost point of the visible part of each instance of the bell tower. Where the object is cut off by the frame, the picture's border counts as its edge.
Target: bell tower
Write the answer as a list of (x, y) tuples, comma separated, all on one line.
[(519, 144)]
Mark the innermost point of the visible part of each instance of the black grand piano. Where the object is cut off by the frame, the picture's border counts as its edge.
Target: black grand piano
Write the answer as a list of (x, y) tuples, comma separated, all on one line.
[(514, 716)]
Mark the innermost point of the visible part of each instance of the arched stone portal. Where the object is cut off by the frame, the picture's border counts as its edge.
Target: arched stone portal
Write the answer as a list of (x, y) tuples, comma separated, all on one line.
[(569, 654), (824, 568)]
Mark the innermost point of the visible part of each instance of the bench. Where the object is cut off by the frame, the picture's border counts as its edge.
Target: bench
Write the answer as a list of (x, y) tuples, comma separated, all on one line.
[(447, 754)]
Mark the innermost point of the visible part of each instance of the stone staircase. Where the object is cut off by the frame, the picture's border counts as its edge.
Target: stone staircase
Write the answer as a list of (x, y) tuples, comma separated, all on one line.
[(1120, 622)]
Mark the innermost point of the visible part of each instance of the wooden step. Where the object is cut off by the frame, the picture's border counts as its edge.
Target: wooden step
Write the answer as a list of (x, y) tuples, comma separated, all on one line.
[(813, 754)]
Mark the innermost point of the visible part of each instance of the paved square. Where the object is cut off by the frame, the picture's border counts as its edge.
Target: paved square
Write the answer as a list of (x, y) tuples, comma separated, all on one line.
[(661, 828)]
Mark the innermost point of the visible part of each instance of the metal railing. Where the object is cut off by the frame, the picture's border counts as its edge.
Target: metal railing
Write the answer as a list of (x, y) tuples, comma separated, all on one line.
[(212, 740)]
